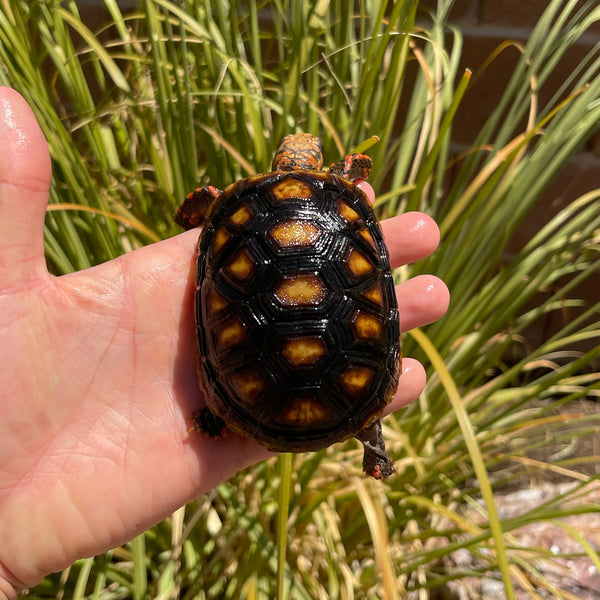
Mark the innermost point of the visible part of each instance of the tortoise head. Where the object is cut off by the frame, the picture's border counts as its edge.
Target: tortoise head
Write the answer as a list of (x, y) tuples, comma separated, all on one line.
[(299, 151)]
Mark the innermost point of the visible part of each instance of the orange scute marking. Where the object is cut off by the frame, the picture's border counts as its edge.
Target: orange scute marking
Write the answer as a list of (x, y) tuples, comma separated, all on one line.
[(291, 188), (357, 263), (373, 294), (221, 238), (356, 380), (216, 302), (248, 386), (301, 290), (241, 216), (347, 212), (294, 233), (366, 326), (367, 236), (304, 351), (241, 265), (303, 411), (232, 333)]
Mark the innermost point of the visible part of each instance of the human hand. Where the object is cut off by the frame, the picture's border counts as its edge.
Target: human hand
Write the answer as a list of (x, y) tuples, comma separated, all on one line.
[(97, 376)]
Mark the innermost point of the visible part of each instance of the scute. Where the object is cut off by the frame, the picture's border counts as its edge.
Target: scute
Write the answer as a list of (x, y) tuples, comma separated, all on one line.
[(300, 289), (241, 265), (303, 411), (304, 350), (356, 380), (296, 311), (294, 233), (366, 325), (358, 265), (291, 190), (241, 216), (230, 334), (248, 386)]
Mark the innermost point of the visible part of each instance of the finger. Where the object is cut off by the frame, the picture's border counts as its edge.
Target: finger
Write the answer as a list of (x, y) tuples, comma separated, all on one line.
[(421, 300), (367, 188), (24, 186), (411, 384), (409, 237)]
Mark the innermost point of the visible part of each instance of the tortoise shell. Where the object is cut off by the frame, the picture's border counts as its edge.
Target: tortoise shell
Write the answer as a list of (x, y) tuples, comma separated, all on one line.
[(296, 312)]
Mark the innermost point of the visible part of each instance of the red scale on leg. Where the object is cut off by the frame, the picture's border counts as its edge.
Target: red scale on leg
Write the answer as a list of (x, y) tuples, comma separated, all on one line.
[(353, 166), (193, 210)]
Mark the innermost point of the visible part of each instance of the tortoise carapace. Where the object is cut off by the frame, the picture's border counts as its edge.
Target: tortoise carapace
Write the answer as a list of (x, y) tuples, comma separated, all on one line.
[(296, 314)]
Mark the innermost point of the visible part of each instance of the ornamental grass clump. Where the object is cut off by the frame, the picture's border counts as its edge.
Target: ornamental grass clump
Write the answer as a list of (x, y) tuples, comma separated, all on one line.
[(171, 94)]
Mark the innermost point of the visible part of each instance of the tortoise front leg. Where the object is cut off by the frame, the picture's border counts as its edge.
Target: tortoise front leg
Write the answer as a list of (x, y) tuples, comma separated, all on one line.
[(193, 210), (353, 166)]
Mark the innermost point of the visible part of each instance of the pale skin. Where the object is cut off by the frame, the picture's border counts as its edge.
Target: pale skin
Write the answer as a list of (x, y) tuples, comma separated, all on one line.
[(98, 376)]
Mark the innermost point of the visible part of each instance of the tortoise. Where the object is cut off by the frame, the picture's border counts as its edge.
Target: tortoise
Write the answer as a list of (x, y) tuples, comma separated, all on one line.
[(296, 314)]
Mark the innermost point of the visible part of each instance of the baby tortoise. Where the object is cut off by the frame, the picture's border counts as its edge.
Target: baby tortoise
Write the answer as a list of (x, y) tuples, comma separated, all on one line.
[(296, 313)]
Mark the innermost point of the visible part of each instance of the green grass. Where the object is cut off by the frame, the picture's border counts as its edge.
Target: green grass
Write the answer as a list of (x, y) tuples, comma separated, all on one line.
[(181, 92)]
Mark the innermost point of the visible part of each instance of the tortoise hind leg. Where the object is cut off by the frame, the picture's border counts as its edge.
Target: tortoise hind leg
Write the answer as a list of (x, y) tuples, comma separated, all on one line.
[(207, 422), (193, 210), (376, 462)]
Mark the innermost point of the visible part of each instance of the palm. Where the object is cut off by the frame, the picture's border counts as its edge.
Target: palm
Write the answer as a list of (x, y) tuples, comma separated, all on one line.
[(98, 375), (113, 420)]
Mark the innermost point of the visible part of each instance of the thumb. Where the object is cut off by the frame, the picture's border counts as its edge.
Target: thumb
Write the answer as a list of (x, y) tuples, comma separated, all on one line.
[(25, 174)]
